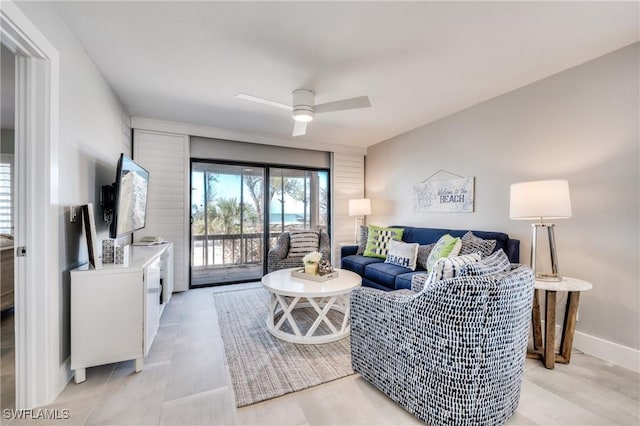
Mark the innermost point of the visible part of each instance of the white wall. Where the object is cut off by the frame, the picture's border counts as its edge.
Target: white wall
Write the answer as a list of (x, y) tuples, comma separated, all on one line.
[(580, 125), (93, 130)]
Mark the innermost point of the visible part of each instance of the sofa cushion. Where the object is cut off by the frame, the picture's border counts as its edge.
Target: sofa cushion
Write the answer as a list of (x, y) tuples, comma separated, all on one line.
[(425, 236), (402, 254), (446, 246), (384, 273), (378, 240), (473, 244), (302, 243), (357, 264), (405, 280), (422, 236)]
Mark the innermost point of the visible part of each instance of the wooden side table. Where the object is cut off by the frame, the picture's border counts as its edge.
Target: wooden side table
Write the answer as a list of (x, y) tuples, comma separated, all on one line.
[(547, 353)]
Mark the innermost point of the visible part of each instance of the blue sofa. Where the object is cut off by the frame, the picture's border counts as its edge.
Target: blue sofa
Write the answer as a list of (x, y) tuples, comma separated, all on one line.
[(385, 276)]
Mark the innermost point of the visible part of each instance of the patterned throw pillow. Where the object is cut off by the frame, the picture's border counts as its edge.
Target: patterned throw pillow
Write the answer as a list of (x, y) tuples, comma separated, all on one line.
[(378, 240), (472, 244), (445, 247), (402, 254), (364, 234), (496, 263), (302, 243), (449, 267), (423, 255)]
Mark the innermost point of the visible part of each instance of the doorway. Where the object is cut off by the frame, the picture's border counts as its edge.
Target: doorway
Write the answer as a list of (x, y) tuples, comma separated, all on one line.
[(39, 377), (7, 183), (236, 217), (227, 223)]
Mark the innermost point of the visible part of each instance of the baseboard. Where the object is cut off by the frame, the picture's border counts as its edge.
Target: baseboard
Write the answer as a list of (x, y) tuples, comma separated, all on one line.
[(612, 352), (64, 376)]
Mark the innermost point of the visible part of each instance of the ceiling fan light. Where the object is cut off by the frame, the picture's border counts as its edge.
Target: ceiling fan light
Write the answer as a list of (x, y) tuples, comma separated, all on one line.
[(303, 115)]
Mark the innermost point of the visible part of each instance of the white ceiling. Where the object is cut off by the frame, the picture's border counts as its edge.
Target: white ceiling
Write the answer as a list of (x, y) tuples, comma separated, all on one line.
[(417, 61)]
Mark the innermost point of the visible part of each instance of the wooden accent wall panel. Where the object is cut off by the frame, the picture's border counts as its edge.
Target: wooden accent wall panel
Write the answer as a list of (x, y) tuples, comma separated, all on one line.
[(166, 157)]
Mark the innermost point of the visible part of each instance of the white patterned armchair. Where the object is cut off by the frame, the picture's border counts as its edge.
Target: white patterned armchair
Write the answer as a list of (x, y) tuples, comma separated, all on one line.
[(452, 353), (286, 254)]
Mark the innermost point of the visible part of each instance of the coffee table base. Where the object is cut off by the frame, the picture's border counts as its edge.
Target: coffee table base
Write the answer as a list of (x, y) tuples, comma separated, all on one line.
[(282, 309)]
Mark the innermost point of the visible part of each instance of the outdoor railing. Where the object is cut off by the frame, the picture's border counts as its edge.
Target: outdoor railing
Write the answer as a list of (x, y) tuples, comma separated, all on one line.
[(220, 250)]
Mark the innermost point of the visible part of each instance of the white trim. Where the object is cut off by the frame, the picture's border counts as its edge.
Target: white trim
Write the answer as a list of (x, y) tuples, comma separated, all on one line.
[(236, 135), (39, 377), (614, 353), (187, 218)]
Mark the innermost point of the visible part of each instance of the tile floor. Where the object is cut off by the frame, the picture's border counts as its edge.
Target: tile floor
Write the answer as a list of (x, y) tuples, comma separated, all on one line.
[(185, 382)]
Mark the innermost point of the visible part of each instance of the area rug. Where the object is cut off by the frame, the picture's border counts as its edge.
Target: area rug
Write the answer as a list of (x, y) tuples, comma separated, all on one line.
[(264, 367)]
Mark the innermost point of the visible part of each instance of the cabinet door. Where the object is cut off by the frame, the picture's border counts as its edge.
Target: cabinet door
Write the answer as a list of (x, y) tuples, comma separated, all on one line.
[(152, 302), (106, 317), (167, 273)]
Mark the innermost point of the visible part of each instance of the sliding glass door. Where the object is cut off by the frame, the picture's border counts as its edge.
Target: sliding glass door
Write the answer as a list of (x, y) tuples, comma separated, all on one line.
[(233, 226), (298, 199), (227, 230)]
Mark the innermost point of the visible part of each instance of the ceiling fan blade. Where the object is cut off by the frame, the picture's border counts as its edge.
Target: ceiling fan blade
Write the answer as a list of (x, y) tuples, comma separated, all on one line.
[(263, 101), (352, 103), (299, 128)]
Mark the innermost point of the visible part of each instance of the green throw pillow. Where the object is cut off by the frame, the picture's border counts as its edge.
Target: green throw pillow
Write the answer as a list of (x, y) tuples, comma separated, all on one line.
[(378, 240), (445, 247)]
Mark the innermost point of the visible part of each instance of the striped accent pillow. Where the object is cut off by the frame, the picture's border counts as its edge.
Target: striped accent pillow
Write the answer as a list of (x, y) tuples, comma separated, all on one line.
[(496, 263), (450, 267), (302, 243), (472, 244)]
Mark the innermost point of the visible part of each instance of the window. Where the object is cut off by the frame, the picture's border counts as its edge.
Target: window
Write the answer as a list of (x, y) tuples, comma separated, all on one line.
[(6, 194)]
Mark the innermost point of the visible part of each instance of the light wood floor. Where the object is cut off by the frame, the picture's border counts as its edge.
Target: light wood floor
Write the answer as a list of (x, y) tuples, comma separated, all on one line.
[(186, 382)]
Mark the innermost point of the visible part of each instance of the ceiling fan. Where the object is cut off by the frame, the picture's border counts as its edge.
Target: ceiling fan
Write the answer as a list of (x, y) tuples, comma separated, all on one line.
[(304, 110)]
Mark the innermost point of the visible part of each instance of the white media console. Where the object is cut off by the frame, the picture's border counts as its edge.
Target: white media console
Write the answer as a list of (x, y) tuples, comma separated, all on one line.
[(115, 311)]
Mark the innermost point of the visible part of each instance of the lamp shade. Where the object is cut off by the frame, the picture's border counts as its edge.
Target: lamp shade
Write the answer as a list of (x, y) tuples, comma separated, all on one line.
[(544, 199), (359, 207)]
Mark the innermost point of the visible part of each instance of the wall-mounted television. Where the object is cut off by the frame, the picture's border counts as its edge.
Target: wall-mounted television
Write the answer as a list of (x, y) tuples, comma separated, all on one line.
[(129, 198)]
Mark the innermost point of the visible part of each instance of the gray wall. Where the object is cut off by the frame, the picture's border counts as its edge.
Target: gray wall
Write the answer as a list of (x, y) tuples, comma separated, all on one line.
[(580, 125), (219, 149), (6, 141)]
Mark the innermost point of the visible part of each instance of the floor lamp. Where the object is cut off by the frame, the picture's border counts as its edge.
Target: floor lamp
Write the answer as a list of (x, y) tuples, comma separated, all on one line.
[(541, 200), (359, 208)]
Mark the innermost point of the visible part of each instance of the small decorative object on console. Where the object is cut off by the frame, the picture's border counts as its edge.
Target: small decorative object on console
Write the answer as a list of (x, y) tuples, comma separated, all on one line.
[(121, 255), (108, 247)]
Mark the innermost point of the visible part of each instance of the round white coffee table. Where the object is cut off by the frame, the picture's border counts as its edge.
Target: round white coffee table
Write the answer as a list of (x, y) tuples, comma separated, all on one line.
[(290, 293)]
